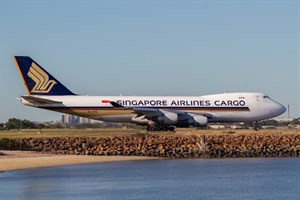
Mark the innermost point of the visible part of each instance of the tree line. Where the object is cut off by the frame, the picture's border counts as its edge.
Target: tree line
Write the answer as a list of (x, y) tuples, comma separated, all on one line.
[(15, 123)]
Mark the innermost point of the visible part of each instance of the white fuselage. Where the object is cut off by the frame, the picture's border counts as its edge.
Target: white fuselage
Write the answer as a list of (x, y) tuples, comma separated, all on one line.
[(227, 107)]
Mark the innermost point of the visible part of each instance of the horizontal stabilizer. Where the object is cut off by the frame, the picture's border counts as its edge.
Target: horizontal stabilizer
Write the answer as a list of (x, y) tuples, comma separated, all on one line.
[(37, 100)]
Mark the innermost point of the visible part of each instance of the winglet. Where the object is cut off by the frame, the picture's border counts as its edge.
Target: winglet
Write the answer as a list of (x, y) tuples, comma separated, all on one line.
[(37, 80)]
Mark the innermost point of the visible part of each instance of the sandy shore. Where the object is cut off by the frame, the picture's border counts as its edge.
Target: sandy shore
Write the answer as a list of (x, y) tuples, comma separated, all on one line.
[(16, 160)]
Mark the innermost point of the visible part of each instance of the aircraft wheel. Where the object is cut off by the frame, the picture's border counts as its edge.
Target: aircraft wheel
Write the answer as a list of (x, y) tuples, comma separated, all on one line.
[(157, 128), (171, 128), (150, 128), (160, 128), (256, 128), (164, 128)]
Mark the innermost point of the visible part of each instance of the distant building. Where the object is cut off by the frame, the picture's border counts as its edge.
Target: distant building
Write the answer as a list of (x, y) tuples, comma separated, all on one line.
[(226, 126), (283, 119), (69, 119), (74, 120), (84, 120), (217, 126)]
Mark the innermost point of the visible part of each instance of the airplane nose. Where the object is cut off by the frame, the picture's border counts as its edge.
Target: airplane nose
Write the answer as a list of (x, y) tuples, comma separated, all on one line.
[(283, 109), (280, 109)]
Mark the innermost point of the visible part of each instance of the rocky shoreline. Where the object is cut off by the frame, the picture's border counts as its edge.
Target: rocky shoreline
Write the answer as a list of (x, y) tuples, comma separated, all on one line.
[(168, 146)]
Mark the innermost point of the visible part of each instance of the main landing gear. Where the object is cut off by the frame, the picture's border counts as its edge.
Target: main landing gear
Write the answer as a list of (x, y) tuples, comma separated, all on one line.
[(256, 126), (158, 127)]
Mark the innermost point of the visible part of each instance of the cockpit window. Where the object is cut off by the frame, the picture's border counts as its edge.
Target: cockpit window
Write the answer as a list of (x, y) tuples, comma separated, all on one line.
[(266, 97)]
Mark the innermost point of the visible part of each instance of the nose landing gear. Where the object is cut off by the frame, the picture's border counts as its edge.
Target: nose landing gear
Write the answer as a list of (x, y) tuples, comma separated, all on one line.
[(256, 126)]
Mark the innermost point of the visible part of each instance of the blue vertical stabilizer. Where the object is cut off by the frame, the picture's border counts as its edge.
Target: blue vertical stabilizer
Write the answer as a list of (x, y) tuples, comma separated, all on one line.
[(37, 80)]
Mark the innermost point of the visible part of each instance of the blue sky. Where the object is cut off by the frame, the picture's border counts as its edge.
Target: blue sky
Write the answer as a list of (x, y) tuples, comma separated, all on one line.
[(152, 48)]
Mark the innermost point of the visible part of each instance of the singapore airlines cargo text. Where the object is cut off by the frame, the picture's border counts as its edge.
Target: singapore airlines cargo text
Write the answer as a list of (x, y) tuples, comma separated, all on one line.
[(181, 103)]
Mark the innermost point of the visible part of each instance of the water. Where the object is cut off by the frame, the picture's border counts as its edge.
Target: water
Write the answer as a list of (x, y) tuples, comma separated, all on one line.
[(276, 178)]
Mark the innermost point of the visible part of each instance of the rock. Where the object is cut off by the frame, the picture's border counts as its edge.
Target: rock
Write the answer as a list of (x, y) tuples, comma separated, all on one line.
[(172, 146)]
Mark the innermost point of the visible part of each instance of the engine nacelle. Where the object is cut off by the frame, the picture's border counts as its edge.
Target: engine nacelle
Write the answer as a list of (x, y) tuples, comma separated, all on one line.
[(198, 121), (193, 120), (140, 119), (167, 118)]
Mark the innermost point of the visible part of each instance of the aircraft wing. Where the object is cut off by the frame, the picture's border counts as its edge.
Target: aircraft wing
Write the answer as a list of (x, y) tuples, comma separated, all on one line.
[(149, 112), (37, 100)]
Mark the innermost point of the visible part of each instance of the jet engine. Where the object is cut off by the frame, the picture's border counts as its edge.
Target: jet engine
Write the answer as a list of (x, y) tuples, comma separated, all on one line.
[(197, 121), (167, 118), (193, 120), (140, 119)]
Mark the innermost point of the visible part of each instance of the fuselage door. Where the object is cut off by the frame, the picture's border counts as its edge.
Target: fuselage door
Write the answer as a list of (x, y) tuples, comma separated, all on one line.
[(257, 98)]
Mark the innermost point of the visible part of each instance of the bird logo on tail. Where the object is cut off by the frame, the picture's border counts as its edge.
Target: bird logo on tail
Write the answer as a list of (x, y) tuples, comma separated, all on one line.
[(41, 79)]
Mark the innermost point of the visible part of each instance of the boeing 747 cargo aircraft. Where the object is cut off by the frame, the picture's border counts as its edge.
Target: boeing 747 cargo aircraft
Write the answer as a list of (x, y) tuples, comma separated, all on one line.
[(158, 113)]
